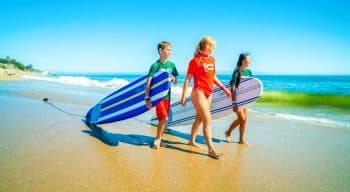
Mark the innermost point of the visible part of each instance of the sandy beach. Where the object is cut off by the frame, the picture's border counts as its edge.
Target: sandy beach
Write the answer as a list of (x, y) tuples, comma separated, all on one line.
[(10, 75), (45, 149), (16, 74), (288, 61)]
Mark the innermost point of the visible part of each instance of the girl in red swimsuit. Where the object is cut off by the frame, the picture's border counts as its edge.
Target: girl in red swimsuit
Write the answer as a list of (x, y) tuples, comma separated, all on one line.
[(202, 69)]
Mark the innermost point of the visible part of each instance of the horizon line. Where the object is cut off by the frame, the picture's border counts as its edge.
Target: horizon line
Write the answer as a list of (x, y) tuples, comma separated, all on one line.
[(219, 73)]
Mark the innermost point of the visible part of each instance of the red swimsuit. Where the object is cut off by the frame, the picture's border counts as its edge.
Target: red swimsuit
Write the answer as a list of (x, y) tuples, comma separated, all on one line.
[(202, 68)]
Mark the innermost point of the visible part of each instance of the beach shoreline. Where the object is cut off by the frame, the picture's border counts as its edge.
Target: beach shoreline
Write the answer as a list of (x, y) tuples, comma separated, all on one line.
[(16, 74), (45, 149), (5, 75)]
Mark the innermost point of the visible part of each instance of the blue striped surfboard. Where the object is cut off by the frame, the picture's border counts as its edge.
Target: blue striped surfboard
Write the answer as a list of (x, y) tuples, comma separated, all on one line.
[(128, 101), (249, 91)]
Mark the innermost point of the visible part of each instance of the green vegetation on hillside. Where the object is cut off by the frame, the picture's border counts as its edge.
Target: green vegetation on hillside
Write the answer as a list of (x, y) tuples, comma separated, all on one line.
[(12, 63)]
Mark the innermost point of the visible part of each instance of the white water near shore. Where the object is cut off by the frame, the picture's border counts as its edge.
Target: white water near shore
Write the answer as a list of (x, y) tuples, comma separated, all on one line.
[(113, 82)]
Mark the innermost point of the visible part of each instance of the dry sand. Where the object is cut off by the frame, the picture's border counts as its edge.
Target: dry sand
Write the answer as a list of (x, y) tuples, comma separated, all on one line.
[(43, 149), (13, 74)]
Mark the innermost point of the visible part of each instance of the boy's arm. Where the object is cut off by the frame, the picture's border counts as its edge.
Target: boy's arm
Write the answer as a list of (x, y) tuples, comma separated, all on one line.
[(174, 80), (174, 74), (184, 90), (147, 90)]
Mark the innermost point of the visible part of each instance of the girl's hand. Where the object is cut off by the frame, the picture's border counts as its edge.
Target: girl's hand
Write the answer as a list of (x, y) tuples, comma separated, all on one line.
[(235, 109), (183, 101), (227, 92), (234, 106)]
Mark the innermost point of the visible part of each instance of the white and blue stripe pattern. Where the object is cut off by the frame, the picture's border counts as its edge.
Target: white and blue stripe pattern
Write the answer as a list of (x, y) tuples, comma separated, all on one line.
[(249, 90), (128, 101)]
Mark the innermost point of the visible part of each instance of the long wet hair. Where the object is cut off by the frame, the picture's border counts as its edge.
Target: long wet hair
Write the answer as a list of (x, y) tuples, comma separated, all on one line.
[(204, 42), (239, 64)]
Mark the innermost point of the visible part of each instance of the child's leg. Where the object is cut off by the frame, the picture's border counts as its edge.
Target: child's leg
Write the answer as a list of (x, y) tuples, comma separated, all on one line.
[(202, 106), (160, 130), (242, 127), (162, 110), (195, 127), (194, 131), (228, 132)]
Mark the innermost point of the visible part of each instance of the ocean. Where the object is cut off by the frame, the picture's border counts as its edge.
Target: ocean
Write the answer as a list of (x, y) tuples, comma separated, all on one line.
[(315, 99)]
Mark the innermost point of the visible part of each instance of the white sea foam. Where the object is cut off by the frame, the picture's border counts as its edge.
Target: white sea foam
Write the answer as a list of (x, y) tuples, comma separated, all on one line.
[(308, 119), (81, 81), (115, 83), (176, 92), (311, 120)]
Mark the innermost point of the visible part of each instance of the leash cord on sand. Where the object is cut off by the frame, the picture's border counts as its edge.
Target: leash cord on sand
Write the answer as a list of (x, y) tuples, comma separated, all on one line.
[(46, 100)]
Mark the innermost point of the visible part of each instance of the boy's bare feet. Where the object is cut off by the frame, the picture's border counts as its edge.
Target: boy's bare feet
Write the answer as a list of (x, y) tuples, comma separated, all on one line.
[(215, 154), (193, 144), (156, 144), (228, 137)]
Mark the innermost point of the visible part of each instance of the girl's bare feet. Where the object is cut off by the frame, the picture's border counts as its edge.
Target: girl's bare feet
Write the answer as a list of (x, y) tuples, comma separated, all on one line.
[(193, 144), (215, 154), (228, 138), (244, 143)]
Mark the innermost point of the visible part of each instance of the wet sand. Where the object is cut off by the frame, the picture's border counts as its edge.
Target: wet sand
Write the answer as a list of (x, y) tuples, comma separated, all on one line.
[(44, 149)]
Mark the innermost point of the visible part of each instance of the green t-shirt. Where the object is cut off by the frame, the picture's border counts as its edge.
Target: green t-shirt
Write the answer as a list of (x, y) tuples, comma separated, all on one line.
[(245, 73), (168, 66)]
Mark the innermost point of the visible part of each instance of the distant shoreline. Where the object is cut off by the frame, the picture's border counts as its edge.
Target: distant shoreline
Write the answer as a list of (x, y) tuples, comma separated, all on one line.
[(15, 74)]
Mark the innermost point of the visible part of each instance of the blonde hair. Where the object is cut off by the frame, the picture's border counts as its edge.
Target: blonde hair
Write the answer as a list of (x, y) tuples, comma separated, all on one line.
[(204, 42)]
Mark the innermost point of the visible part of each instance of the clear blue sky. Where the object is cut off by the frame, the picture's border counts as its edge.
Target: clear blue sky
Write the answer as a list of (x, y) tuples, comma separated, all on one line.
[(283, 37)]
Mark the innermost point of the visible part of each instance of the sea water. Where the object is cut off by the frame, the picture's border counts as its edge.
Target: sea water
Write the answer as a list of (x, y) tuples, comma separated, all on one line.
[(316, 99)]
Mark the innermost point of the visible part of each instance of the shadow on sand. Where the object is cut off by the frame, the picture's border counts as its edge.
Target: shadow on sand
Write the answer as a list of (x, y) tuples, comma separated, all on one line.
[(199, 139), (113, 139)]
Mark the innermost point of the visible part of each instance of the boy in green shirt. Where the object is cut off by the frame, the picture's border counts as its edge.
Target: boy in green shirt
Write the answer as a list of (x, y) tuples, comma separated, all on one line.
[(163, 107)]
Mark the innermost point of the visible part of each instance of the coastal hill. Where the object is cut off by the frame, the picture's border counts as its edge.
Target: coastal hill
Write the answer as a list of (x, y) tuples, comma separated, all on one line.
[(11, 69)]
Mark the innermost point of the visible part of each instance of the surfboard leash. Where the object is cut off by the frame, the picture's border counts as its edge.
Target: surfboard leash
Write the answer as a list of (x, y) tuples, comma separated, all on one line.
[(46, 100)]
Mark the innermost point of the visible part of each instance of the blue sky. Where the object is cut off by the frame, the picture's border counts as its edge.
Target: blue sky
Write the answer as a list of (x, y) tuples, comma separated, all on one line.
[(283, 37)]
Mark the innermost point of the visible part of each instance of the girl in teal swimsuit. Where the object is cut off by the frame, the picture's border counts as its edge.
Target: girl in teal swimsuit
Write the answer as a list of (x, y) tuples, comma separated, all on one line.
[(240, 71)]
